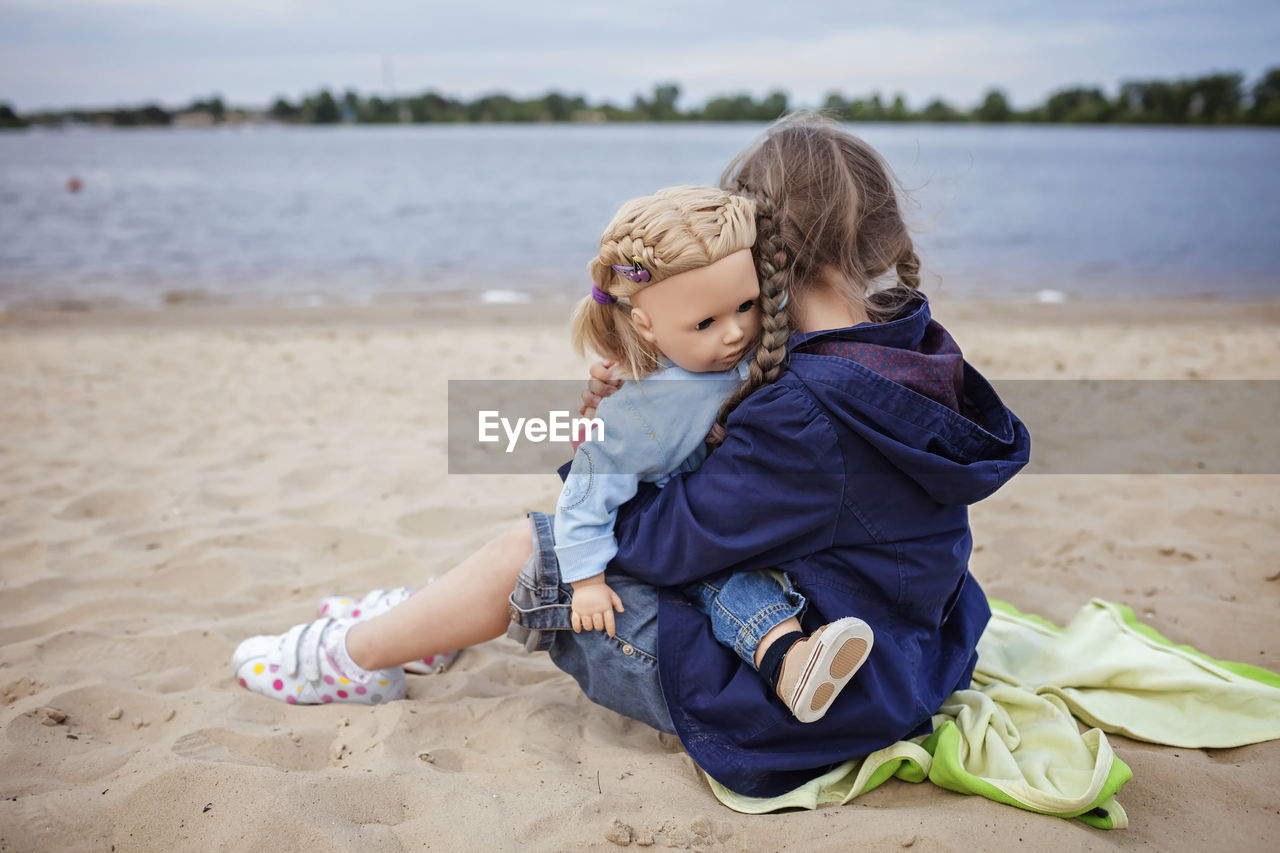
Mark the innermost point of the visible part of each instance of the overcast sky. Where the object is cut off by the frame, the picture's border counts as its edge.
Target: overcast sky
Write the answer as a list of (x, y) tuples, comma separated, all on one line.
[(63, 53)]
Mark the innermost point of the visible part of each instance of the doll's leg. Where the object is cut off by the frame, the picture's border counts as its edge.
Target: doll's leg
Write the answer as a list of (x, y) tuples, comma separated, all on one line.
[(757, 615), (748, 610), (808, 673)]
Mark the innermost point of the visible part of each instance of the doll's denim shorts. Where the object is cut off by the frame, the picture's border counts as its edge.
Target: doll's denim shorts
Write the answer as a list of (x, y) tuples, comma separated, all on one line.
[(618, 672)]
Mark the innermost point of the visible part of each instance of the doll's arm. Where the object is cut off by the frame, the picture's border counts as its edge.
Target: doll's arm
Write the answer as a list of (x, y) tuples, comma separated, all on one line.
[(604, 475), (593, 604)]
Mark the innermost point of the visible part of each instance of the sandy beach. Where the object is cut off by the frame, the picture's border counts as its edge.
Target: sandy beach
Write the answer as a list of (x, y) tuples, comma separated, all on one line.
[(174, 481)]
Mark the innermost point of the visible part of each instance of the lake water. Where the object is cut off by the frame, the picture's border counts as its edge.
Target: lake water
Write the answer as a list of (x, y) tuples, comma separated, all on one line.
[(360, 214)]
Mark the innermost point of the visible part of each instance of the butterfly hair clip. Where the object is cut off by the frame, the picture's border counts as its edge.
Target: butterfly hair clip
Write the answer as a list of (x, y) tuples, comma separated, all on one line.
[(636, 273)]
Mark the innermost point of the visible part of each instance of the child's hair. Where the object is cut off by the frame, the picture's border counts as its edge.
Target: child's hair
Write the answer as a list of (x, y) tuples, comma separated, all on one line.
[(824, 199), (675, 230)]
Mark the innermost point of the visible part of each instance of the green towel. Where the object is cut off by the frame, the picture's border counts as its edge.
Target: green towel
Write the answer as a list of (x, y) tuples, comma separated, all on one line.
[(1115, 673), (1011, 736)]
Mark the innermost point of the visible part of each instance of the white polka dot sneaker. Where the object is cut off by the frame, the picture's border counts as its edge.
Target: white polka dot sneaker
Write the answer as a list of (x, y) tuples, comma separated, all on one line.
[(298, 667), (375, 603)]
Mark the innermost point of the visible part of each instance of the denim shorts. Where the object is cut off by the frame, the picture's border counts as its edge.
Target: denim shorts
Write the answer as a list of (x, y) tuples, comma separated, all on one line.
[(618, 672)]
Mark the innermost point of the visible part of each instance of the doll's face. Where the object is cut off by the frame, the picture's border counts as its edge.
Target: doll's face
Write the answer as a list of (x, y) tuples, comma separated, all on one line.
[(705, 319)]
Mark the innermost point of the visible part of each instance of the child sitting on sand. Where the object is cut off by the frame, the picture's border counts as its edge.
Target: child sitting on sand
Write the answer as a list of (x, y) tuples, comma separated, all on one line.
[(850, 462)]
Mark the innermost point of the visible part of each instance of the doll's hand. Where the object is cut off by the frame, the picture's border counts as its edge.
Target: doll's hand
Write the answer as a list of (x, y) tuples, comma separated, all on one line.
[(593, 605), (600, 385)]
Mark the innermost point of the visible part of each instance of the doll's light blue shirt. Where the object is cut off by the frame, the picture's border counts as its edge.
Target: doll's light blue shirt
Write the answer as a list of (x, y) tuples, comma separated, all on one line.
[(653, 428)]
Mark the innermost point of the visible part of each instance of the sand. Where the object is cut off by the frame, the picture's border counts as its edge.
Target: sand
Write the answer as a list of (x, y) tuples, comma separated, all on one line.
[(172, 482)]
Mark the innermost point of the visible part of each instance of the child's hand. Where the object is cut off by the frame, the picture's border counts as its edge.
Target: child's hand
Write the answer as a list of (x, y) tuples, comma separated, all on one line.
[(600, 385), (593, 604)]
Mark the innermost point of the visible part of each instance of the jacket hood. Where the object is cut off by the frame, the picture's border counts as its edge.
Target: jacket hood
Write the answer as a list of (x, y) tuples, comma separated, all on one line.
[(905, 388)]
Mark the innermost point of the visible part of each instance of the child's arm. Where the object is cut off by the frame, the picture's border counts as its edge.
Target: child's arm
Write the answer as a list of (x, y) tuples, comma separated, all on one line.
[(601, 384), (780, 452), (593, 604)]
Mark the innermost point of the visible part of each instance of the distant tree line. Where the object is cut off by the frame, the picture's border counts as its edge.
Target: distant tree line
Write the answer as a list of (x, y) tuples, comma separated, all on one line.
[(1215, 99)]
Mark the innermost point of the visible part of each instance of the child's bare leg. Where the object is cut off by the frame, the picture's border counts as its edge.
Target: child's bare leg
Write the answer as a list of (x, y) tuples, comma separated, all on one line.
[(469, 605)]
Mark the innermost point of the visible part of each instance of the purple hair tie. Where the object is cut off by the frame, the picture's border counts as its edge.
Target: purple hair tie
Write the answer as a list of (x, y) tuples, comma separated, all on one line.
[(636, 273)]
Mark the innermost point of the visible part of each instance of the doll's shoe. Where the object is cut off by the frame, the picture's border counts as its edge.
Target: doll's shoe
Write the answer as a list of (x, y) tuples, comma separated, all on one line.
[(375, 603), (818, 667), (372, 604), (295, 667)]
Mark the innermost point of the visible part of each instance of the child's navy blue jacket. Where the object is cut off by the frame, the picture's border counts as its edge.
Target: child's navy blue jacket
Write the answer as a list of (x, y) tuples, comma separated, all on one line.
[(852, 473)]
